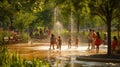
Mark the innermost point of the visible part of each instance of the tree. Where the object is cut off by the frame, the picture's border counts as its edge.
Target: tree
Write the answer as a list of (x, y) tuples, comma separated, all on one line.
[(9, 8), (107, 10), (81, 10), (23, 20)]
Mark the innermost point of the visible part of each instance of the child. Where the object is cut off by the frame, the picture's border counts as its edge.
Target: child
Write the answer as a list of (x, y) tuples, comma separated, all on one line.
[(69, 42), (59, 42), (93, 38), (97, 41), (52, 41), (76, 42), (90, 40), (114, 43)]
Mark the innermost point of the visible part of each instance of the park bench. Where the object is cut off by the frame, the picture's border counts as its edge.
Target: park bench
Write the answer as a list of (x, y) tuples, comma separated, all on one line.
[(11, 39), (6, 39)]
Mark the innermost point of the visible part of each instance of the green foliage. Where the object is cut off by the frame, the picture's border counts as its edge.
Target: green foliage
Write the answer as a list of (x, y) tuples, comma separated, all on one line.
[(8, 59), (16, 10), (44, 18), (24, 37), (105, 8), (2, 35), (22, 20)]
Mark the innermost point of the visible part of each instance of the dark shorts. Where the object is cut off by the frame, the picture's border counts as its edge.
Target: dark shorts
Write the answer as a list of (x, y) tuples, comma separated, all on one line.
[(90, 40), (52, 43)]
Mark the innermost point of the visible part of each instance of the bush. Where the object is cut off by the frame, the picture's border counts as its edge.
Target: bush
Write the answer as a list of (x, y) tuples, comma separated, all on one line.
[(2, 35), (24, 37)]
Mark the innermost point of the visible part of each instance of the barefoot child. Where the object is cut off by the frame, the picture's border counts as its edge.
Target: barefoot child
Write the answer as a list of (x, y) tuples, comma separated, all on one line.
[(69, 42), (59, 42), (97, 41), (52, 41), (76, 42)]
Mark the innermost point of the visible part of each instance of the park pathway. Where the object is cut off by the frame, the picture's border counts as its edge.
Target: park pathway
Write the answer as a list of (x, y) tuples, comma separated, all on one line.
[(41, 50), (60, 58)]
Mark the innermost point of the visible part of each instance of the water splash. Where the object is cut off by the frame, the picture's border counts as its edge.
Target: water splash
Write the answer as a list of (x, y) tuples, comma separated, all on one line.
[(71, 23), (58, 27)]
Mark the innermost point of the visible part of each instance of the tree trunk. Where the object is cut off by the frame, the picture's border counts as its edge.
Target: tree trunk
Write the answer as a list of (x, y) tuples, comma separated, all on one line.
[(118, 28), (109, 35)]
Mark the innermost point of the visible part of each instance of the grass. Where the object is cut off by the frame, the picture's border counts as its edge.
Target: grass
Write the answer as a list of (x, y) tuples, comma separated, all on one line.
[(8, 59)]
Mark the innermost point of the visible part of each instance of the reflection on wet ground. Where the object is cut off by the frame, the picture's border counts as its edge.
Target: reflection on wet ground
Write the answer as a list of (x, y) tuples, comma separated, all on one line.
[(64, 58), (75, 63)]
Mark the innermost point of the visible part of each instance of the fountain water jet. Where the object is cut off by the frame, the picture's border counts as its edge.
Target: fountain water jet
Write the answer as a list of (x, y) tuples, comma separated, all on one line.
[(71, 23), (58, 27)]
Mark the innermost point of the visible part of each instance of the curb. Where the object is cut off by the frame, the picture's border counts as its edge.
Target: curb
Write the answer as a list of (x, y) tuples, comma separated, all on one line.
[(98, 59)]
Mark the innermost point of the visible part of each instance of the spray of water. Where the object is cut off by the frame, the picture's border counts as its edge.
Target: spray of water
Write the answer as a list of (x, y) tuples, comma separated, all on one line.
[(58, 27)]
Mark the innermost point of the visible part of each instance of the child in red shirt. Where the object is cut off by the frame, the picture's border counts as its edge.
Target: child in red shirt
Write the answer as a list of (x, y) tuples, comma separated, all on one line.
[(97, 41)]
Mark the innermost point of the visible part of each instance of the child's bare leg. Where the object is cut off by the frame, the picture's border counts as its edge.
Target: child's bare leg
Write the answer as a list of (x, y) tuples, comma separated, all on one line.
[(97, 49), (53, 46), (50, 46)]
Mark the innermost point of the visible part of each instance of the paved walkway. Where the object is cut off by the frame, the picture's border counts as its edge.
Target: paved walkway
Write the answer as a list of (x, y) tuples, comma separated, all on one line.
[(74, 57), (41, 50)]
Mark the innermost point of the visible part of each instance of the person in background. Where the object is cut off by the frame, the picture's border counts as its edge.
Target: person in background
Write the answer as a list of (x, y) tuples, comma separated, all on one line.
[(69, 41), (114, 43), (105, 39)]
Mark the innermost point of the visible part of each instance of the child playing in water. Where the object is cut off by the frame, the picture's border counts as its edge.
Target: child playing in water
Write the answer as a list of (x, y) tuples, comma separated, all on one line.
[(59, 42), (52, 41), (90, 40), (97, 41), (76, 42), (69, 42)]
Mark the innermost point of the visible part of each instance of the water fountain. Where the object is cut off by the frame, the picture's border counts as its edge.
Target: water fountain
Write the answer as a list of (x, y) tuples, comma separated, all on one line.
[(58, 27), (71, 23)]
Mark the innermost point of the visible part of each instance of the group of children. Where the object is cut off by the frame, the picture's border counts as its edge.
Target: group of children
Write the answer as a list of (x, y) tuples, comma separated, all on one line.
[(58, 41), (54, 40), (94, 41), (70, 41)]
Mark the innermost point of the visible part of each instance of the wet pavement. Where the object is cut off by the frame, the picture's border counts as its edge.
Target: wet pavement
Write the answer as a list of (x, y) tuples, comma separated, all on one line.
[(41, 50), (64, 58)]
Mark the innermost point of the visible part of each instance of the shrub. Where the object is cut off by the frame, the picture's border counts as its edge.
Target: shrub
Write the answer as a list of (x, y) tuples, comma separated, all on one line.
[(24, 37), (2, 35)]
